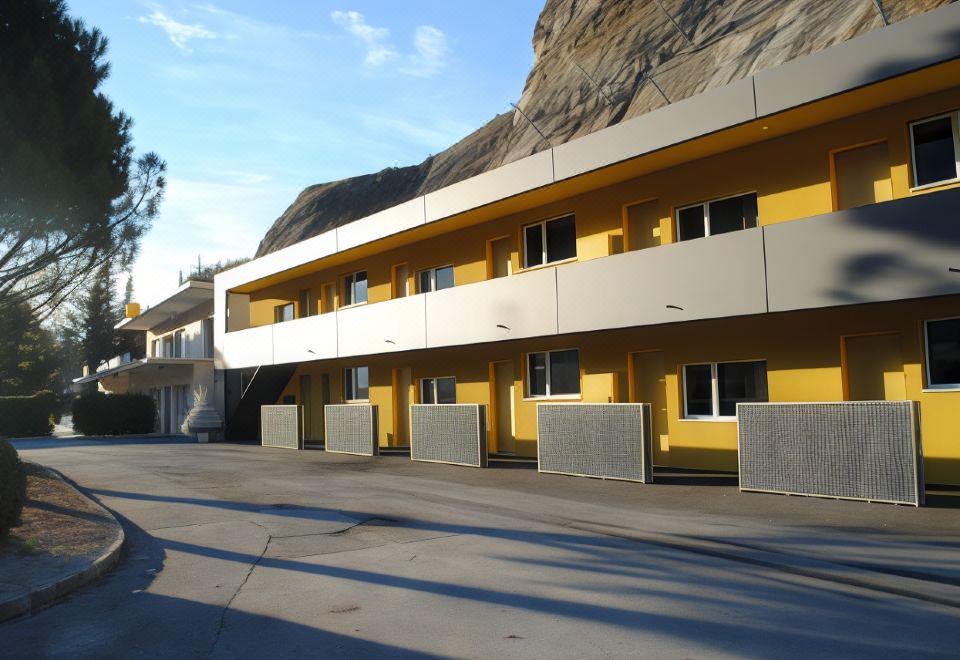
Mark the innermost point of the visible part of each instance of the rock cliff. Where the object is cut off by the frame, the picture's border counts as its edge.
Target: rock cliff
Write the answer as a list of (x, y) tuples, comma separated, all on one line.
[(596, 63)]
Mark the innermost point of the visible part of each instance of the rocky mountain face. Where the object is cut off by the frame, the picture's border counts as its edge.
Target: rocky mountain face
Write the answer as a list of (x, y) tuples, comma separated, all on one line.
[(596, 63)]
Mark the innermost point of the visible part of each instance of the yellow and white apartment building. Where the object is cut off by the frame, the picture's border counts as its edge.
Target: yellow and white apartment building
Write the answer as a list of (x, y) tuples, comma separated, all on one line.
[(790, 237)]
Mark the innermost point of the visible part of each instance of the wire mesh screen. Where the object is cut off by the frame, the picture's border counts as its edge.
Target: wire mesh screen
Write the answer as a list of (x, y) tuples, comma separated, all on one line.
[(280, 427), (605, 440), (351, 429), (449, 433), (863, 450)]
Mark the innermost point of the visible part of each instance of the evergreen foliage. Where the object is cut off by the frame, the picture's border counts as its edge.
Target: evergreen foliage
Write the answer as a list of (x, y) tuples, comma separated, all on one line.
[(13, 487), (113, 414), (72, 195), (23, 416)]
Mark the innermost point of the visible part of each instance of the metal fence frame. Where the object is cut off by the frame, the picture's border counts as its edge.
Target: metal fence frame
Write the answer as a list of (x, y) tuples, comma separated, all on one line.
[(374, 417), (275, 414), (645, 449), (480, 416), (916, 452)]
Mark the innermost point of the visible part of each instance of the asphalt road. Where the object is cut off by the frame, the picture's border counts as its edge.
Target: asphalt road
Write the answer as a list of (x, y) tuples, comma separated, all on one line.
[(240, 551)]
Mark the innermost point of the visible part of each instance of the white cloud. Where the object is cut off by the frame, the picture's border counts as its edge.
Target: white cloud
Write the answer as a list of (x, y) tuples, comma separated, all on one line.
[(431, 46), (374, 39), (179, 33)]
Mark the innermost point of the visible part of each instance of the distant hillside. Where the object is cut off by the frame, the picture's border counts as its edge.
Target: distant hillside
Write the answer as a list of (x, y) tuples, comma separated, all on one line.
[(596, 63)]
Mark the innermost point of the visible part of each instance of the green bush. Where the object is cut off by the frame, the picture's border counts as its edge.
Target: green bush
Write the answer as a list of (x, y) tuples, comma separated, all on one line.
[(13, 486), (22, 416), (113, 414)]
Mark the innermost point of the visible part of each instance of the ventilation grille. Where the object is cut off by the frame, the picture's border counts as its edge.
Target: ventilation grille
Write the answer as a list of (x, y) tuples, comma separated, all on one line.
[(862, 450), (280, 427), (351, 429), (454, 433), (606, 440)]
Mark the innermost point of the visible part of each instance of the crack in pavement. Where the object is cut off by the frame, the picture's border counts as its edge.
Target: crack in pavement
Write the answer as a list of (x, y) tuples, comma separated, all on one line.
[(226, 607)]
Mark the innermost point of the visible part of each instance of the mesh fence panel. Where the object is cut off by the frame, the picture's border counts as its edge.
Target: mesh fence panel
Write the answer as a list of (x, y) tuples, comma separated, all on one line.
[(449, 434), (609, 441), (865, 450), (280, 427), (351, 429)]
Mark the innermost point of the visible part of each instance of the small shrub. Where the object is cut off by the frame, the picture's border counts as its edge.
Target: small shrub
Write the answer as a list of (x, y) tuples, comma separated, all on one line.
[(22, 416), (113, 414), (13, 486)]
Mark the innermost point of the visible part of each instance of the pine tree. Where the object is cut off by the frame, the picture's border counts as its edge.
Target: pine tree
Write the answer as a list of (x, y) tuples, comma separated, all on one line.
[(99, 318)]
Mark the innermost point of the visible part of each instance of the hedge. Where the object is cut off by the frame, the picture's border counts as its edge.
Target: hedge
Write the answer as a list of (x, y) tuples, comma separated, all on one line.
[(113, 414), (13, 486), (27, 415)]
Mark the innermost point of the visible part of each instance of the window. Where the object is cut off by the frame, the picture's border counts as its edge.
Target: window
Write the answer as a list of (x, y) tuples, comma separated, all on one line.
[(943, 353), (717, 217), (168, 346), (283, 313), (355, 288), (714, 390), (156, 348), (438, 390), (434, 279), (936, 150), (305, 301), (208, 338), (178, 344), (356, 384), (549, 241), (553, 373)]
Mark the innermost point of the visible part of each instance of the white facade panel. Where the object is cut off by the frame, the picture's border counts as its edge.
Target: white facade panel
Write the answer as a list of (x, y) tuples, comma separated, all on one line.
[(678, 122), (246, 348), (303, 340), (289, 257), (385, 223), (512, 179), (710, 277), (522, 305), (386, 327)]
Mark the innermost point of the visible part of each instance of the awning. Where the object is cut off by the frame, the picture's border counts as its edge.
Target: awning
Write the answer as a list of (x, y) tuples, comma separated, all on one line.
[(189, 295), (145, 364)]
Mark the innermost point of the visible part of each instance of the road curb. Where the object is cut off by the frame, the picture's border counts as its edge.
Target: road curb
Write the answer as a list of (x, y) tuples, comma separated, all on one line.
[(48, 593)]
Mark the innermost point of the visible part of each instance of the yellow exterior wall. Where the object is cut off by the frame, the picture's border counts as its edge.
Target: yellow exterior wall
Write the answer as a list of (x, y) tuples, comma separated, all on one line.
[(791, 174), (793, 178), (802, 350)]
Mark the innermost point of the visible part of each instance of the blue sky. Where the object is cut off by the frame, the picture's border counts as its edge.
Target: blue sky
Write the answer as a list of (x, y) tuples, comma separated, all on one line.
[(250, 102)]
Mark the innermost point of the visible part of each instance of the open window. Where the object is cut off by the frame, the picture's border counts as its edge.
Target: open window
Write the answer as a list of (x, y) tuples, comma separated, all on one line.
[(550, 240), (935, 144), (355, 288), (718, 216), (713, 390)]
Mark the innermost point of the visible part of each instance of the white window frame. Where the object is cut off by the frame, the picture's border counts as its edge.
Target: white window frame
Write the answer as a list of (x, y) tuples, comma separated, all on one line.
[(433, 277), (714, 390), (706, 213), (954, 116), (543, 241), (433, 380), (352, 277), (926, 356), (180, 343), (548, 395), (352, 373)]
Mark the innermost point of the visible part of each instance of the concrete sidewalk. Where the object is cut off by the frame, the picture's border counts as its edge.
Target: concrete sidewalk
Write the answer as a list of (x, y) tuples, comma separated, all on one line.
[(63, 541)]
